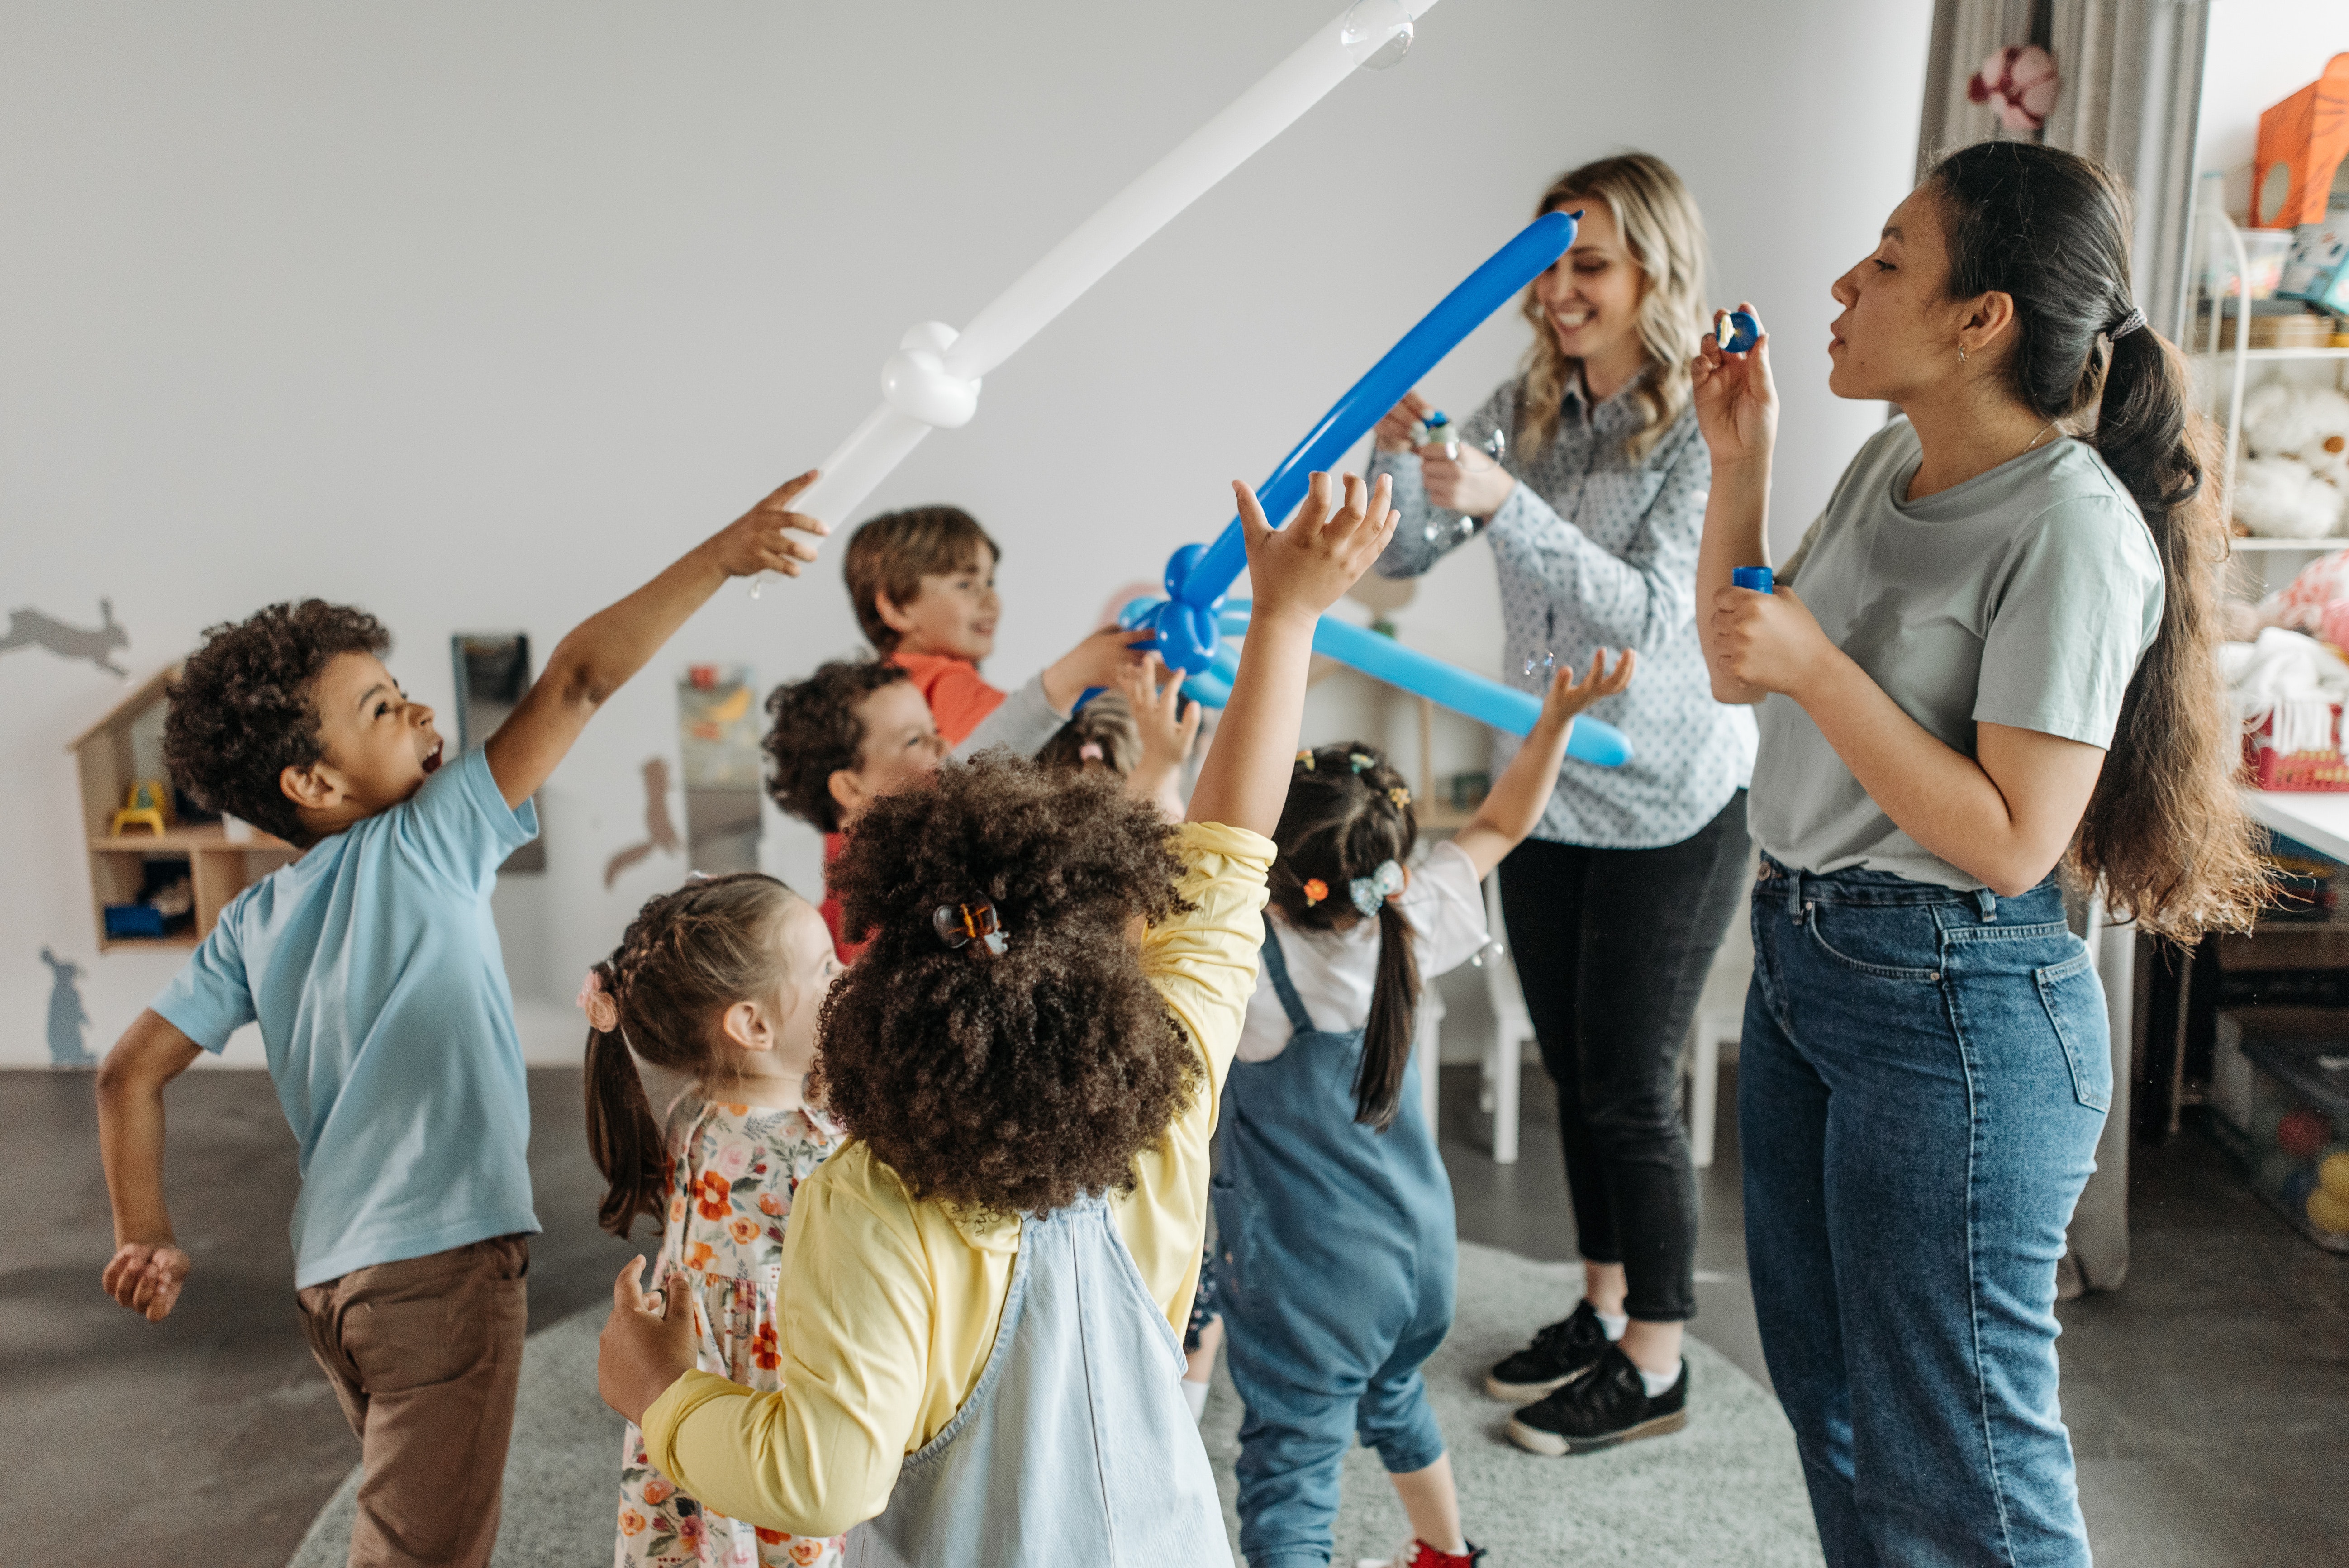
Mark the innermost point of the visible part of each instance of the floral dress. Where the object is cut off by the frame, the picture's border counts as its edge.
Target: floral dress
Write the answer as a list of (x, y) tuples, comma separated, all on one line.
[(732, 1171)]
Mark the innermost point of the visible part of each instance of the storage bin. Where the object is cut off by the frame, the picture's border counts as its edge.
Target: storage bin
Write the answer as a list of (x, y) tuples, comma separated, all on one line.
[(2280, 1100), (2264, 250), (2305, 771)]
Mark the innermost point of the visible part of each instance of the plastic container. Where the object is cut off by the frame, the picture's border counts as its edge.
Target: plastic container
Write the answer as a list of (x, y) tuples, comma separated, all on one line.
[(2304, 771), (2264, 251), (2280, 1100)]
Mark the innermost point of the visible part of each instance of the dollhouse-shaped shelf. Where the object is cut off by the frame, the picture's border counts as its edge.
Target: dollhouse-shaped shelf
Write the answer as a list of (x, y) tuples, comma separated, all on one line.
[(113, 754)]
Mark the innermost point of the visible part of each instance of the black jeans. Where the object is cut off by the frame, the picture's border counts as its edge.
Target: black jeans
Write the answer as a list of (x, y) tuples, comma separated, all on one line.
[(1612, 947)]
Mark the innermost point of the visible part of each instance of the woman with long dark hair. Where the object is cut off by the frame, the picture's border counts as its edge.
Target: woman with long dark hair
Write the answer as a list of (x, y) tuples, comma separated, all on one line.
[(1618, 902), (1992, 653)]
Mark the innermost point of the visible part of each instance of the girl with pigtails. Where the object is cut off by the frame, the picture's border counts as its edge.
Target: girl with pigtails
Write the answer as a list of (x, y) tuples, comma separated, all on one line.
[(715, 988), (1991, 656), (1336, 1247)]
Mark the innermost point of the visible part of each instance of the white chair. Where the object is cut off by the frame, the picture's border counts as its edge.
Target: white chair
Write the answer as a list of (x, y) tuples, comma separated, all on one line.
[(1720, 1014), (1512, 1029)]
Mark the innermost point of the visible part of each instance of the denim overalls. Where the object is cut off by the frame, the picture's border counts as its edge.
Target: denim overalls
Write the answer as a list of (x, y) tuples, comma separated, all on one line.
[(1923, 1079), (1339, 1251), (1076, 1446)]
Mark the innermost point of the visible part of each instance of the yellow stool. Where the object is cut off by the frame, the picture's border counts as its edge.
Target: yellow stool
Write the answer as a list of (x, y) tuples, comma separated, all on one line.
[(149, 805)]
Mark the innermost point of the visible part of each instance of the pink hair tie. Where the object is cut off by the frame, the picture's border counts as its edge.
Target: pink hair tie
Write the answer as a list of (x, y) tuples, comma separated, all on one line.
[(603, 1013), (1090, 751)]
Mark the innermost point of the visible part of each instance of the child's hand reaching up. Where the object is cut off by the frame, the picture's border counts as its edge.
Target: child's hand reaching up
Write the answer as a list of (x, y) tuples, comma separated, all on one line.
[(1522, 793), (1098, 661), (1297, 573), (1168, 727), (771, 536)]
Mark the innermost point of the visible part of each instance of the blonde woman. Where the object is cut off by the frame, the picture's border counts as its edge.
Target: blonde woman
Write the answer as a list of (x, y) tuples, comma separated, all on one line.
[(1616, 902)]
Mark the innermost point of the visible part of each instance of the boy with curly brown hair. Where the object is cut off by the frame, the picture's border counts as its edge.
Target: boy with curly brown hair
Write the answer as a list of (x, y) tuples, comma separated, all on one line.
[(983, 1289), (372, 967)]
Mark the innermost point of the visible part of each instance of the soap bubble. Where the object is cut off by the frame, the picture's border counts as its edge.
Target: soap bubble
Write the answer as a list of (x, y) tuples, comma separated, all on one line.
[(1541, 662), (1376, 34), (1449, 531)]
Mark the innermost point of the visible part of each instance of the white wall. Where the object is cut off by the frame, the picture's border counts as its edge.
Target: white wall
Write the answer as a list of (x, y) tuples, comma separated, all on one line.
[(477, 314), (2261, 52)]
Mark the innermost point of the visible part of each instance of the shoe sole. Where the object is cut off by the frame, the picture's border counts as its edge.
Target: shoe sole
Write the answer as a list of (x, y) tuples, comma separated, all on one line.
[(1532, 1440)]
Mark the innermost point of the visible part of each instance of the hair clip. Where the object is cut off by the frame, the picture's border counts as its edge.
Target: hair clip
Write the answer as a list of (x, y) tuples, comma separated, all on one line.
[(1090, 751), (1401, 797), (1305, 760), (1362, 759), (1315, 890), (1371, 890), (603, 1013), (957, 923)]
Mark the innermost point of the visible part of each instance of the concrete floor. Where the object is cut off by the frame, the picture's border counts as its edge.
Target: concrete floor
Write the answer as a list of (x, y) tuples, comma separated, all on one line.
[(2206, 1399)]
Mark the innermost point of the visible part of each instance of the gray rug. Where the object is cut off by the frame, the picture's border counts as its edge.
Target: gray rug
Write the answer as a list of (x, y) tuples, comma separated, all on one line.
[(1726, 1490)]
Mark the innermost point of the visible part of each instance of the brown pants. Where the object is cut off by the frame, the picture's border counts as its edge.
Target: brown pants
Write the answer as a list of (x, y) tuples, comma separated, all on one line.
[(425, 1355)]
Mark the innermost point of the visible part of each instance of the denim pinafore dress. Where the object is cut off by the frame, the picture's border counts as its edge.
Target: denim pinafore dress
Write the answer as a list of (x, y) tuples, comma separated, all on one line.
[(1338, 1249), (1076, 1446)]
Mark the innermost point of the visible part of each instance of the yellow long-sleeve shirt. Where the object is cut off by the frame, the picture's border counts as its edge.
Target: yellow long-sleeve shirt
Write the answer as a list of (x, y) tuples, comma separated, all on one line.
[(888, 1305)]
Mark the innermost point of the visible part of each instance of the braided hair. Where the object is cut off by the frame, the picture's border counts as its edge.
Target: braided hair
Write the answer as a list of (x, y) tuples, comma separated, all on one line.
[(1348, 813), (687, 958)]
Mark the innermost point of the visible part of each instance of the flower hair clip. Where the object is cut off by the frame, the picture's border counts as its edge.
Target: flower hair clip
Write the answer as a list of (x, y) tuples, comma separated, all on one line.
[(1362, 759), (959, 924), (1401, 797), (603, 1013), (1373, 890), (1305, 759), (1315, 890)]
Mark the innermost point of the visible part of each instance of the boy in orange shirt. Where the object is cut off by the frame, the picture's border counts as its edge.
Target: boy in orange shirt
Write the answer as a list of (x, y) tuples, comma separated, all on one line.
[(923, 584)]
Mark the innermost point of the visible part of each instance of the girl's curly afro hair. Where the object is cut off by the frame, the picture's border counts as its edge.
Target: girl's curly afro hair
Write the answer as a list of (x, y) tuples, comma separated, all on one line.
[(1013, 1082)]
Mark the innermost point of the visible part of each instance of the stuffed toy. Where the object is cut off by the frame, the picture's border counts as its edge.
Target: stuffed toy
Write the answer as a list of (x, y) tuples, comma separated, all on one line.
[(2281, 498), (2295, 478)]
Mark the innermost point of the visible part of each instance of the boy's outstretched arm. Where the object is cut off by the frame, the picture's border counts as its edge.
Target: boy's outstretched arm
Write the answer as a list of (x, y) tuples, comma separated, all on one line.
[(606, 649), (1296, 574), (148, 1267), (1522, 789)]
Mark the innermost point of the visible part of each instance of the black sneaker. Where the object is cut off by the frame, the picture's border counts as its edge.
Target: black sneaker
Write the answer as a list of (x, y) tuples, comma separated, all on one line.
[(1609, 1406), (1558, 1355)]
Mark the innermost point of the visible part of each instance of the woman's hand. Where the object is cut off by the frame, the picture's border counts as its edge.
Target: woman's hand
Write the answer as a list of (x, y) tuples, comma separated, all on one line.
[(646, 1346), (1394, 433), (1768, 641), (1736, 401), (1471, 484)]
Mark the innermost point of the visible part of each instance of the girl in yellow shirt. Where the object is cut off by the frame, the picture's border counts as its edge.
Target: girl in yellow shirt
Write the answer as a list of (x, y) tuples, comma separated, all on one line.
[(983, 1290)]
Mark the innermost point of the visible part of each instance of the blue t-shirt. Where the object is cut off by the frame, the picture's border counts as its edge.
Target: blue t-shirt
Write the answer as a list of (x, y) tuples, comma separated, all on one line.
[(374, 970)]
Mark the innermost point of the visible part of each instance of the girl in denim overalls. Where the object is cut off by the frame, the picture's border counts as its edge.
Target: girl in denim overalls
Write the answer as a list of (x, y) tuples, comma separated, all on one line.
[(1336, 1241)]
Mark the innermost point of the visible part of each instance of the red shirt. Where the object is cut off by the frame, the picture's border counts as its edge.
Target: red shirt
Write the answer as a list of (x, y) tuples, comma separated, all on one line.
[(845, 952), (958, 697)]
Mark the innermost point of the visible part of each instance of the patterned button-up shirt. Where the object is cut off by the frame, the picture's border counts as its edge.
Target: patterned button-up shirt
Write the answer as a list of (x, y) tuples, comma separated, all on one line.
[(1595, 550)]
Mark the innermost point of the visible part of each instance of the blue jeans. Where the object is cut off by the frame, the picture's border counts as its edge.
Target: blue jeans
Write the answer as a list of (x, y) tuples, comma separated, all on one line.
[(1923, 1079)]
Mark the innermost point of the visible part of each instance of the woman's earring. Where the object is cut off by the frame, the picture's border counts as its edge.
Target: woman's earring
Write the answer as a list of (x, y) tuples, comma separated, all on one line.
[(1961, 353)]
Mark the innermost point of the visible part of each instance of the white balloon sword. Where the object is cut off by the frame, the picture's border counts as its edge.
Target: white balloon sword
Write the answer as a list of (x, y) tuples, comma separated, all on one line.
[(932, 381)]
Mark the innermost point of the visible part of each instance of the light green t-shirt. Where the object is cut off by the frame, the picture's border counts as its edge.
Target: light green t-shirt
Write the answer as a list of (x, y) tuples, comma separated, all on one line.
[(2024, 596)]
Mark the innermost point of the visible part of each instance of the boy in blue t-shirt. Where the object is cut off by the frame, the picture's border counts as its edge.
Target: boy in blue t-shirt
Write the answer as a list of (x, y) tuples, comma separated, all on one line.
[(373, 969)]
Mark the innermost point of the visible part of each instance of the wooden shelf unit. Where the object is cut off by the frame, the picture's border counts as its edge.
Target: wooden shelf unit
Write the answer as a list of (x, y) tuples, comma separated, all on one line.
[(219, 867)]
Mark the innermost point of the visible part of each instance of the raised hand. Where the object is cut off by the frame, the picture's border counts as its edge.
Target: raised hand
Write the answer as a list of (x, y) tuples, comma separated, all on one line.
[(1736, 401), (146, 1277), (646, 1344), (1304, 568), (767, 538), (1567, 697)]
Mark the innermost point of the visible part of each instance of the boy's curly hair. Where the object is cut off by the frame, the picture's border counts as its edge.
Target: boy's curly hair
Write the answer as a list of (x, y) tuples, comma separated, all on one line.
[(890, 553), (816, 731), (244, 707), (1005, 1083)]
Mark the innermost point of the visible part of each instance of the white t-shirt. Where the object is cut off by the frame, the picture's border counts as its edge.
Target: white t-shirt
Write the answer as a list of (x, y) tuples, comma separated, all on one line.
[(1334, 971)]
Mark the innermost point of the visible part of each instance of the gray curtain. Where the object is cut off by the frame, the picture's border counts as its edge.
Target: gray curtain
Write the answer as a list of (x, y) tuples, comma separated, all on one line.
[(2131, 98)]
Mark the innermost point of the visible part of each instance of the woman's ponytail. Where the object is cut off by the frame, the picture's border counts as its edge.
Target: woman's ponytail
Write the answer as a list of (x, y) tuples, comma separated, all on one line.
[(623, 1136), (2165, 837), (1393, 1022)]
